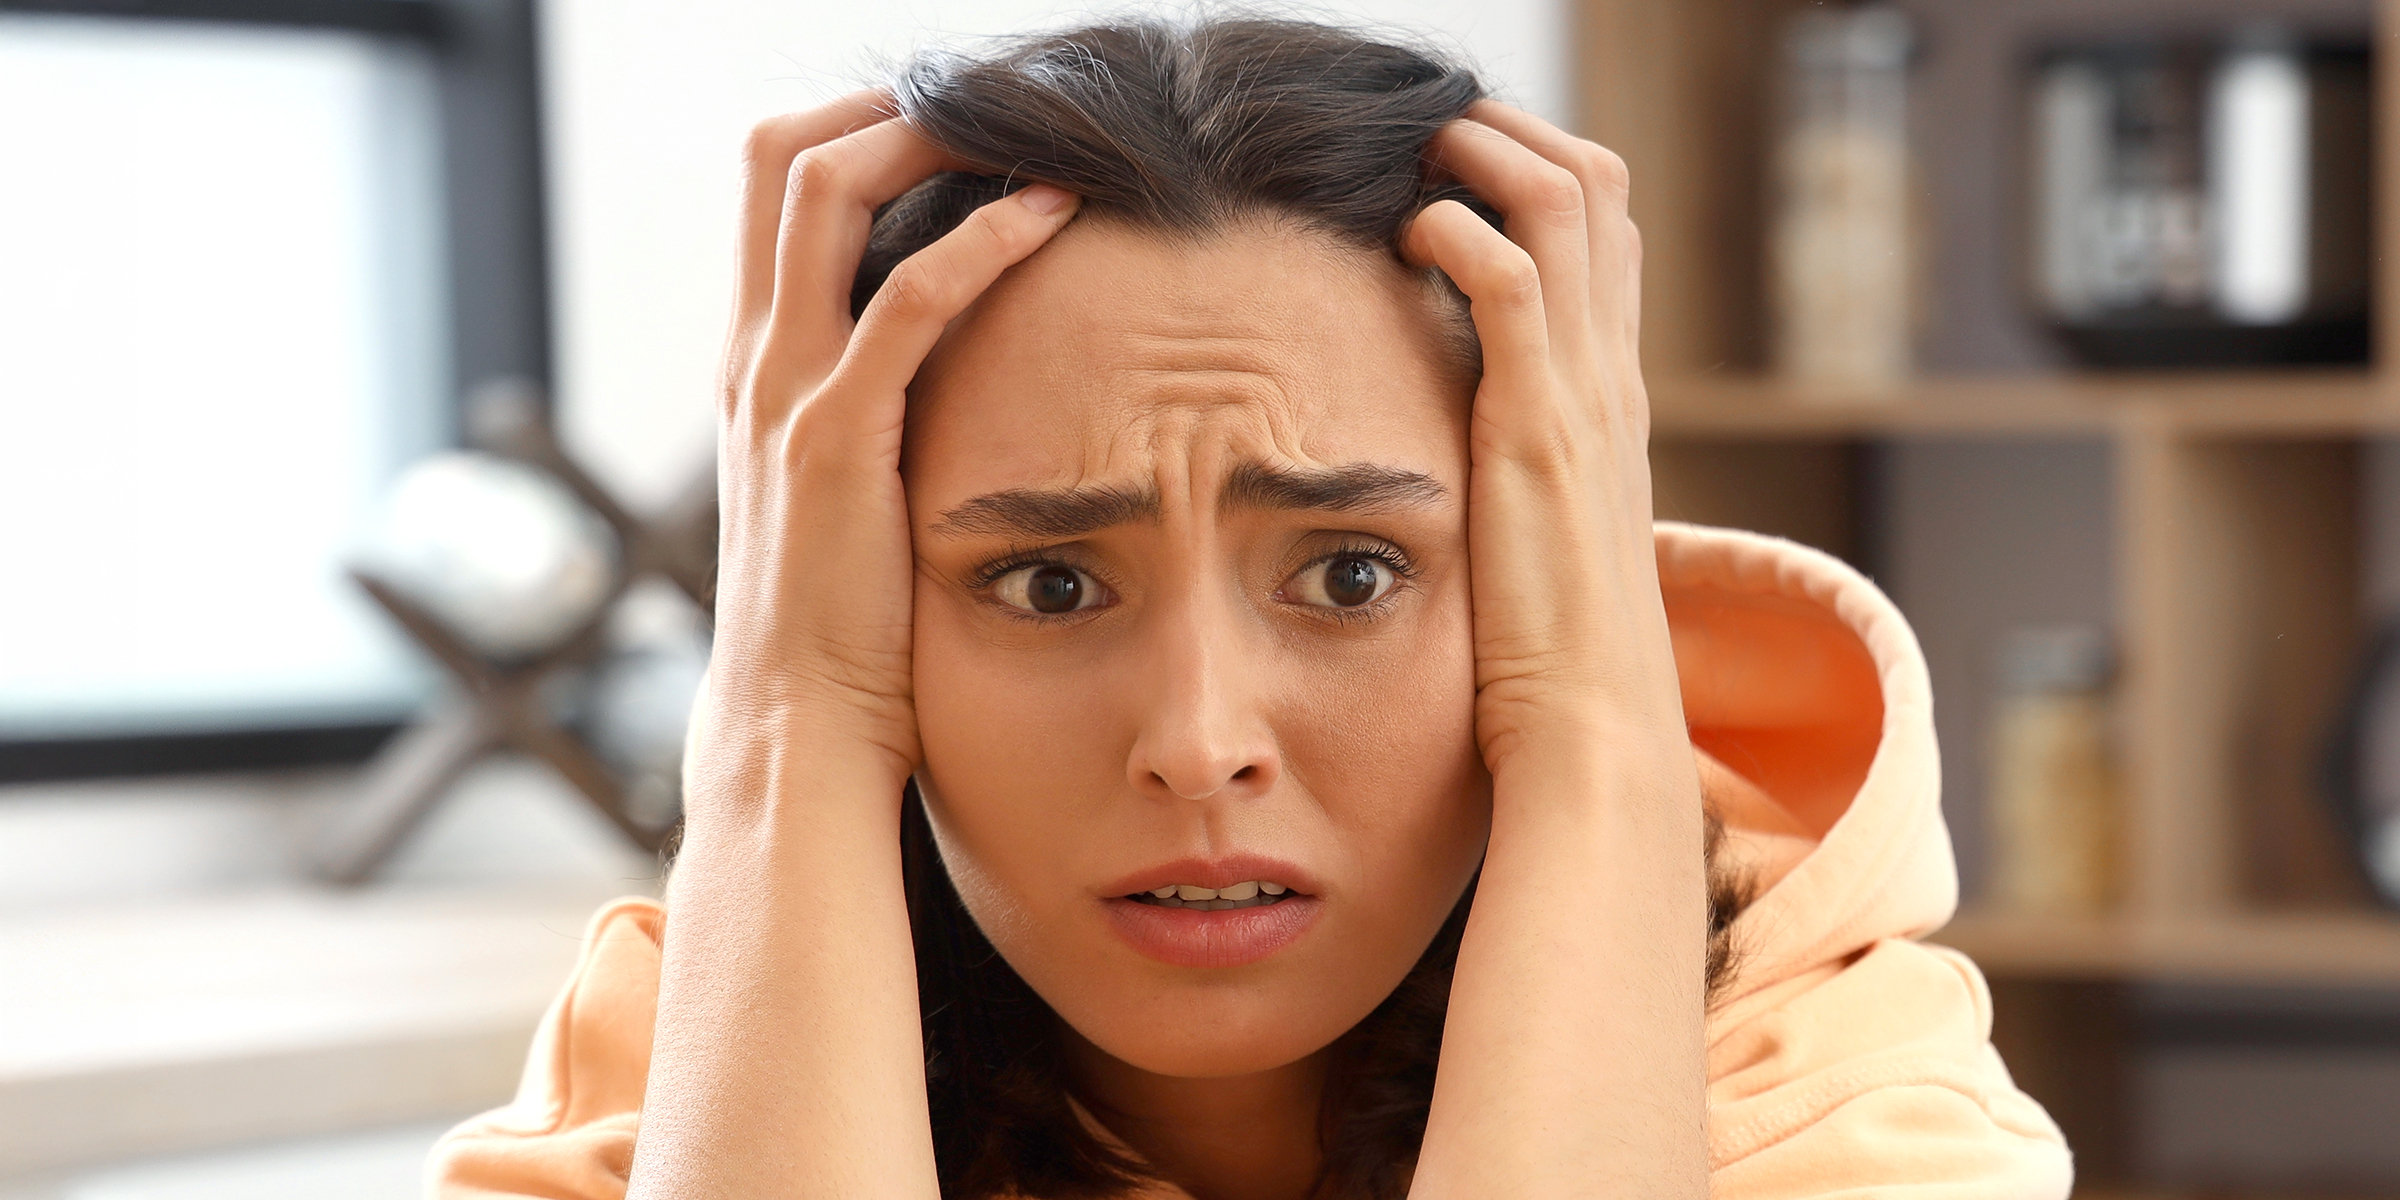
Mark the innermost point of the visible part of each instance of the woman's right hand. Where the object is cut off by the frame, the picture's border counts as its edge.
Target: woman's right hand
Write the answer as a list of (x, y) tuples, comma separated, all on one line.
[(814, 565), (787, 1057)]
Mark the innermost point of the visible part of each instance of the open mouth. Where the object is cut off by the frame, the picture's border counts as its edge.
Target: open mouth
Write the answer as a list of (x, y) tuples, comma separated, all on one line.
[(1253, 893)]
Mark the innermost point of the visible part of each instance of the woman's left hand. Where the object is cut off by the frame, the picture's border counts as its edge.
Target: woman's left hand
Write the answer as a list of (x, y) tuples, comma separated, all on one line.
[(1570, 632), (1571, 1063)]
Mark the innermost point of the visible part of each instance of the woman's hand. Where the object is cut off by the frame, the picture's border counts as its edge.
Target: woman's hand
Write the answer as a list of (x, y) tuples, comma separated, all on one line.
[(1570, 632), (787, 1058), (1572, 1060), (813, 608)]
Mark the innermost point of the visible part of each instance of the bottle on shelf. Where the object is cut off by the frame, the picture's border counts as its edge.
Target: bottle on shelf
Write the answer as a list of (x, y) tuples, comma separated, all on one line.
[(2053, 800), (1841, 270)]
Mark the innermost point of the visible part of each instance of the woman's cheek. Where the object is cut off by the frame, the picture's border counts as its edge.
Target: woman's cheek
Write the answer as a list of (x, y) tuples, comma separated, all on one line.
[(1380, 732), (1018, 763), (1393, 747)]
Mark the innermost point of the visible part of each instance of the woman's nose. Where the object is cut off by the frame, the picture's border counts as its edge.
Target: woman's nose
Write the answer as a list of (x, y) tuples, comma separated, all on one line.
[(1203, 735)]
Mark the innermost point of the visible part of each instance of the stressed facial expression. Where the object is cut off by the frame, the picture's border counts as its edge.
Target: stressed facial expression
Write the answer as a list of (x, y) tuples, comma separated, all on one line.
[(1194, 664)]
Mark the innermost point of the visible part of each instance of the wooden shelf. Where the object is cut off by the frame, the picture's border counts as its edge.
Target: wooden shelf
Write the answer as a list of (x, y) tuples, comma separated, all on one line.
[(2281, 949), (2294, 403), (2221, 525)]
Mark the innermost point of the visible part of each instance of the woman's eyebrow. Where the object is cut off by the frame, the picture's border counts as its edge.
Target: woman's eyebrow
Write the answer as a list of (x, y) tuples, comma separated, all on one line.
[(1048, 513), (1352, 487)]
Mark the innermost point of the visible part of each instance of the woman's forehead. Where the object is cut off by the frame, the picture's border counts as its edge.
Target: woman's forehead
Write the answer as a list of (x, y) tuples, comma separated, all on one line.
[(1115, 355)]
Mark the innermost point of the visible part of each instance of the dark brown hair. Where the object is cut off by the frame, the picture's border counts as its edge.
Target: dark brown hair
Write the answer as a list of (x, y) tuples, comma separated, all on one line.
[(1179, 129), (1182, 129)]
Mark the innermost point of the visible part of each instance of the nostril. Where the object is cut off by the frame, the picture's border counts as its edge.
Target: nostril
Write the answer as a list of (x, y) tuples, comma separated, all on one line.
[(1245, 775)]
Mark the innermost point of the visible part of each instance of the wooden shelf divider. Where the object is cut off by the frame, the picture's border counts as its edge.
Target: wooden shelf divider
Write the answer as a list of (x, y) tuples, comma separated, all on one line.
[(2290, 949), (2294, 403)]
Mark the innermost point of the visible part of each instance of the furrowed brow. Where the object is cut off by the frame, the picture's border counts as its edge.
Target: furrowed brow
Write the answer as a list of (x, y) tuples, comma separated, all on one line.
[(1044, 514), (1354, 487)]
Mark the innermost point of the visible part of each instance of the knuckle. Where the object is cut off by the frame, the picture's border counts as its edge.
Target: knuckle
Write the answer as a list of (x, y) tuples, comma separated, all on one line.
[(1605, 168), (767, 142), (814, 171), (911, 292), (1557, 193), (1537, 442), (1515, 282), (1545, 447), (993, 226)]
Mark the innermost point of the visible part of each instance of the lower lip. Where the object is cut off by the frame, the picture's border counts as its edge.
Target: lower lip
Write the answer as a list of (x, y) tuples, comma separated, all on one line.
[(1224, 937)]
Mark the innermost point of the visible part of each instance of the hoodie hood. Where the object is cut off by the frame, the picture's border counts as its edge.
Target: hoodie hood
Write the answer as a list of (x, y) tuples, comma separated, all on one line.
[(1808, 700)]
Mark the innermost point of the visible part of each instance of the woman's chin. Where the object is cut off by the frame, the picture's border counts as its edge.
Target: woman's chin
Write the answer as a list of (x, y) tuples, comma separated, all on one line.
[(1214, 1035)]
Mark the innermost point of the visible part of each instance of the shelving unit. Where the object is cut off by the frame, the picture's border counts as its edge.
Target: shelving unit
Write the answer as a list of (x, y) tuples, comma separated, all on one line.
[(2237, 524), (2237, 501)]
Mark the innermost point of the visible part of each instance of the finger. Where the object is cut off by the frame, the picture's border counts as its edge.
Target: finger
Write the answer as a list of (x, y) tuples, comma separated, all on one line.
[(1505, 299), (930, 288), (1606, 183), (830, 198), (1607, 187), (1545, 207), (766, 162)]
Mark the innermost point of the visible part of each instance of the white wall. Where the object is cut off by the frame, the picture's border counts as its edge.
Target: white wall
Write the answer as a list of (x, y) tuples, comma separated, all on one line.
[(647, 104)]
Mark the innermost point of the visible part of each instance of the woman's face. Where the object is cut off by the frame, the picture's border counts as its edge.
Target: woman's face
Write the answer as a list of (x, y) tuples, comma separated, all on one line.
[(1192, 611)]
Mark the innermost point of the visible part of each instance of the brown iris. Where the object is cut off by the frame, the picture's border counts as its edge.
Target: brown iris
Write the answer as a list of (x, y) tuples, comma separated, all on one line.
[(1350, 582), (1054, 590)]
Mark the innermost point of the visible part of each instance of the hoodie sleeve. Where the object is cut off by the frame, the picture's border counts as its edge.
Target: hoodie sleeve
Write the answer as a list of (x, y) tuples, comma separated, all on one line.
[(1878, 1080), (568, 1135)]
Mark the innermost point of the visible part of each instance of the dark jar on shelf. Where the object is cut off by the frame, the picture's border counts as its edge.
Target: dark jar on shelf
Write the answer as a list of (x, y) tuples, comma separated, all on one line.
[(2201, 203)]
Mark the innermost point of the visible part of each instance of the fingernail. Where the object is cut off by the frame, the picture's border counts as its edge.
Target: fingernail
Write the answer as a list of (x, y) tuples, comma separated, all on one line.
[(1044, 199)]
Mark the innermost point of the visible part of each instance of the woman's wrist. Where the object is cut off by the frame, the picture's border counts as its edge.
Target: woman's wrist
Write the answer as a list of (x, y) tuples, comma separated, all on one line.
[(1597, 755), (754, 764)]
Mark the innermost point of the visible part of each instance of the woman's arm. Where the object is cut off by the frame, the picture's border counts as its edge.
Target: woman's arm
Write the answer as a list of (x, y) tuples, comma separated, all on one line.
[(788, 1059), (1572, 1063)]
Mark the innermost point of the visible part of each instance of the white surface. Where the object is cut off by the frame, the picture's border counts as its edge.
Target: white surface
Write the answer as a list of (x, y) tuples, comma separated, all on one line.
[(169, 981), (140, 1029), (220, 331), (648, 101), (244, 975), (383, 1164)]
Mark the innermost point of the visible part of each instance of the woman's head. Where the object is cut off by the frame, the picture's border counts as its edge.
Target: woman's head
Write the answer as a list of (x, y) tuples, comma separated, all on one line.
[(1188, 490)]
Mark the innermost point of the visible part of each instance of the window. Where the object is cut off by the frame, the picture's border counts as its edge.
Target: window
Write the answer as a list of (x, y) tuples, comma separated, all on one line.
[(249, 255)]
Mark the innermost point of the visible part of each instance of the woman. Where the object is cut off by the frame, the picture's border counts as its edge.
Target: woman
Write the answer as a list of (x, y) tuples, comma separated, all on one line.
[(1200, 706)]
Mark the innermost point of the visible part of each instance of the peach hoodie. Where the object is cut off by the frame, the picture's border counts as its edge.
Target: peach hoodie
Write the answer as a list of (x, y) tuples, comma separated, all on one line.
[(1845, 1059)]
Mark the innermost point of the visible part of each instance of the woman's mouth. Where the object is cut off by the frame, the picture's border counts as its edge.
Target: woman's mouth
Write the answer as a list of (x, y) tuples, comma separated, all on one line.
[(1253, 893), (1196, 925)]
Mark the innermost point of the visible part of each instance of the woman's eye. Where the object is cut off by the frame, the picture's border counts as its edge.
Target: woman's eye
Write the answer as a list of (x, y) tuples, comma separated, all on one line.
[(1047, 589), (1347, 581)]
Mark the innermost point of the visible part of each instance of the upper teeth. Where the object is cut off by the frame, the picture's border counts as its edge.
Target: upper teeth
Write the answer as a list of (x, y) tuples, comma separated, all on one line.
[(1246, 890)]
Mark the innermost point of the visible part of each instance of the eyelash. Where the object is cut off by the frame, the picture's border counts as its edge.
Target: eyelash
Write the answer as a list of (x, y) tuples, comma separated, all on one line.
[(1017, 560), (1403, 568)]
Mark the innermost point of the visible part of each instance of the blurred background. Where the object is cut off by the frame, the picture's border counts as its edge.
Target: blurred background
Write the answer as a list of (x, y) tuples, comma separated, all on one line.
[(355, 363)]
